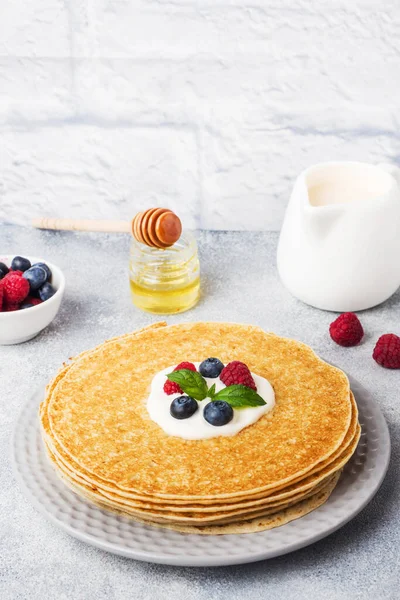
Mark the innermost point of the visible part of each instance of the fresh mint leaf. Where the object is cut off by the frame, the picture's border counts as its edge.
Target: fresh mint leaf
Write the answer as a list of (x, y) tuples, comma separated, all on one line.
[(191, 382), (239, 396), (211, 391)]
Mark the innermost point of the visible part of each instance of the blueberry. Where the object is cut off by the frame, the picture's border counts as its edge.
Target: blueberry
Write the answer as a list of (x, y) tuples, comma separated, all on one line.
[(183, 407), (46, 268), (19, 263), (218, 413), (26, 305), (36, 276), (3, 270), (46, 291), (211, 367)]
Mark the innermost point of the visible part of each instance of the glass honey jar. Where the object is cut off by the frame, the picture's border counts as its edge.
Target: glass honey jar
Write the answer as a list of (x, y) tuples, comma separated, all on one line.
[(165, 281)]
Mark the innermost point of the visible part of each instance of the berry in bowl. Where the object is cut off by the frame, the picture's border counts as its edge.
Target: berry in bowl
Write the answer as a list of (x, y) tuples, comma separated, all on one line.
[(31, 291)]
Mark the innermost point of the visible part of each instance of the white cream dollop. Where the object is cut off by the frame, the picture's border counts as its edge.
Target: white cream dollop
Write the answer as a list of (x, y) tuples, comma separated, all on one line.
[(196, 427)]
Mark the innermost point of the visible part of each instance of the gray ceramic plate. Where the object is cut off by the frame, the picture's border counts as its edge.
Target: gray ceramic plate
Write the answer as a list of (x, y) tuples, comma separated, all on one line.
[(357, 485)]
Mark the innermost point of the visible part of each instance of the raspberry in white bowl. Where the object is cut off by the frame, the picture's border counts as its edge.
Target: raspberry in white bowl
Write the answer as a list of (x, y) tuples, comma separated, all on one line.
[(31, 290)]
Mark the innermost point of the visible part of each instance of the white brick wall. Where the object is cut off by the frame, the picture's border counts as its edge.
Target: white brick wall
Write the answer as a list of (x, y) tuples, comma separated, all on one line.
[(210, 107)]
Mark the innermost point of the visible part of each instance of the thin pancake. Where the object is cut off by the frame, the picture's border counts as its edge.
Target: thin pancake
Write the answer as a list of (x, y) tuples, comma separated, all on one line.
[(291, 491), (134, 454), (322, 470), (260, 523), (174, 514), (195, 519)]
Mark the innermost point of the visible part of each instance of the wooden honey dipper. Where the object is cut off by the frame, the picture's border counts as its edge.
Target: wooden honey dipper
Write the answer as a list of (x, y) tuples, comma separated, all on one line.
[(155, 227)]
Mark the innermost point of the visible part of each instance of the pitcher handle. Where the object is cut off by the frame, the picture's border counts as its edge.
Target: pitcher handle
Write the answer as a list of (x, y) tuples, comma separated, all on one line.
[(393, 169)]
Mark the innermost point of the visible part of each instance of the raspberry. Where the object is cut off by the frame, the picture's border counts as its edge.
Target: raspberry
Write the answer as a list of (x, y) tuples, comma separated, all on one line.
[(387, 351), (346, 330), (11, 307), (185, 365), (16, 288), (237, 373), (29, 302), (20, 273), (170, 387), (1, 296), (32, 300)]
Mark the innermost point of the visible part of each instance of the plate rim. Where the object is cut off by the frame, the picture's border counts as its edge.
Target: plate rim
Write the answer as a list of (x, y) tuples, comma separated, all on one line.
[(207, 561)]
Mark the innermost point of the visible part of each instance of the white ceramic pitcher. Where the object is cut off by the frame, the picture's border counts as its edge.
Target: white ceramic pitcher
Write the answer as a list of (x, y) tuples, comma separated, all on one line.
[(339, 247)]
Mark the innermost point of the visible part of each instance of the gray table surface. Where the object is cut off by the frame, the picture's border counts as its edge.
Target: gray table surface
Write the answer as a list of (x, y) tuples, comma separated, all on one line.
[(240, 283)]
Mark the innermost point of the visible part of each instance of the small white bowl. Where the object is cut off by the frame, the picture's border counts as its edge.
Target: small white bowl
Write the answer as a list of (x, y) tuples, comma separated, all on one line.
[(22, 325)]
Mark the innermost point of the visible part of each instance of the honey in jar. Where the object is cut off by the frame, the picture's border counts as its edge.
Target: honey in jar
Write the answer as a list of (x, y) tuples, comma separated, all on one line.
[(165, 281)]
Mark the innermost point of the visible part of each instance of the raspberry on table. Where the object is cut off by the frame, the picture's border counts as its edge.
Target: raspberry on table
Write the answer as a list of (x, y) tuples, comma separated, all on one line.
[(346, 330), (387, 351), (237, 373), (15, 288)]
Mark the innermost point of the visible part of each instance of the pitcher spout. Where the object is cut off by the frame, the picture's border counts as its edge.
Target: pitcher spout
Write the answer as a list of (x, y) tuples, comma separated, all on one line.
[(320, 221)]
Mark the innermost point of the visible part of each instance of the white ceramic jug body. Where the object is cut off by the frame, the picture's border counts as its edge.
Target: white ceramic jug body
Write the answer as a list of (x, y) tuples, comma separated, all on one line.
[(339, 247)]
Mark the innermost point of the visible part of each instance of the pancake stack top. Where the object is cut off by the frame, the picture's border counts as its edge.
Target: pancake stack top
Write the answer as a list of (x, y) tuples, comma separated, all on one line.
[(102, 442)]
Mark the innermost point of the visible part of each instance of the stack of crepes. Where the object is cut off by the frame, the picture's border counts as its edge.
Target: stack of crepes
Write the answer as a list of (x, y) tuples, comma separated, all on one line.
[(102, 442)]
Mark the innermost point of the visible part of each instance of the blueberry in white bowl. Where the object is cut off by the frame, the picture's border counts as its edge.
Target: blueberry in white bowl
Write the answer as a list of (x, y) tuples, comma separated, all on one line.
[(36, 277), (45, 267), (20, 263), (46, 291), (23, 313), (3, 270)]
